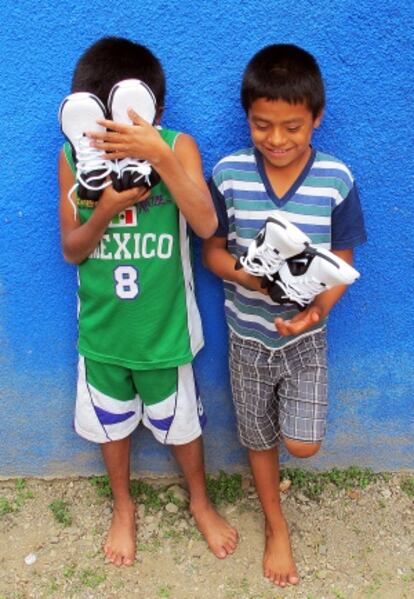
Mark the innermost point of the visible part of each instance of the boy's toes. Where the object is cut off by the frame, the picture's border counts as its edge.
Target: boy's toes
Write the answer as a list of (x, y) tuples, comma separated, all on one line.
[(118, 560), (272, 576), (220, 536), (230, 548), (108, 553), (127, 561)]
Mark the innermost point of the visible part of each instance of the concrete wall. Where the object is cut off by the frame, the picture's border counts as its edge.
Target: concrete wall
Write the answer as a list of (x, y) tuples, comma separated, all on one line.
[(365, 49)]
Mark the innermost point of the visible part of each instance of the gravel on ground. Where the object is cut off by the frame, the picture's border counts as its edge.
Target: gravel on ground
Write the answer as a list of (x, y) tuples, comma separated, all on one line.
[(354, 542)]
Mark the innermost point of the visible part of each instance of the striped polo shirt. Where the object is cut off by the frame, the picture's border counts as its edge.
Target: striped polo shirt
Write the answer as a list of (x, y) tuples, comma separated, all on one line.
[(323, 202)]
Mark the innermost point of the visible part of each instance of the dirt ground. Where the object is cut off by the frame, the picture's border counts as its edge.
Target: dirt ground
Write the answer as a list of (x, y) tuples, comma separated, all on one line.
[(350, 542)]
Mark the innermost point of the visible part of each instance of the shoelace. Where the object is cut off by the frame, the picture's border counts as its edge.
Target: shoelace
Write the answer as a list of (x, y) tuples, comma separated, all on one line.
[(142, 168), (261, 261), (302, 293), (89, 159)]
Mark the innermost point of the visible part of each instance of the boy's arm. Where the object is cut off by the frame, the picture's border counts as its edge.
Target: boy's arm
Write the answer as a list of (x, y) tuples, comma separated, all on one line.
[(79, 241), (182, 172), (318, 309), (218, 259), (180, 169)]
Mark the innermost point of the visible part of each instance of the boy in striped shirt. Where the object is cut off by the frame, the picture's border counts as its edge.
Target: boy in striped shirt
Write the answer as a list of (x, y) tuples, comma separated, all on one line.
[(278, 353)]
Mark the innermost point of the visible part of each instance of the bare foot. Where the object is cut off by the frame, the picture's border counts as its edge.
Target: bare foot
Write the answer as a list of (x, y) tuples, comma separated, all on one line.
[(220, 536), (278, 564), (119, 547)]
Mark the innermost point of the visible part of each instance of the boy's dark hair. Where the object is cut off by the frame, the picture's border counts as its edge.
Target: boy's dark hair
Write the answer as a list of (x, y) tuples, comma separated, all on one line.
[(283, 72), (112, 59)]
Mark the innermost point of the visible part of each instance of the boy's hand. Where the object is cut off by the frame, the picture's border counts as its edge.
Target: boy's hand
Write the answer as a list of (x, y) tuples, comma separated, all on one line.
[(140, 140), (113, 202), (251, 282), (300, 322)]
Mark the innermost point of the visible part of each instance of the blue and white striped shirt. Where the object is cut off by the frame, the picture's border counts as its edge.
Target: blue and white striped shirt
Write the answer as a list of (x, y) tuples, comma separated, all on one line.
[(323, 202)]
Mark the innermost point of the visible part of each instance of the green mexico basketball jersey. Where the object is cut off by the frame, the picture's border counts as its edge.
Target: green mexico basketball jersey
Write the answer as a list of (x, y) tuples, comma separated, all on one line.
[(136, 292)]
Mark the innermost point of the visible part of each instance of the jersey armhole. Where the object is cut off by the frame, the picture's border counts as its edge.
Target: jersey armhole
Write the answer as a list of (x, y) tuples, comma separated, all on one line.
[(170, 137), (67, 149)]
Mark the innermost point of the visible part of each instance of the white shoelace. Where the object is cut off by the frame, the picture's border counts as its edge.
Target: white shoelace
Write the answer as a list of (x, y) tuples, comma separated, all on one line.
[(89, 159), (303, 292), (141, 168), (261, 261)]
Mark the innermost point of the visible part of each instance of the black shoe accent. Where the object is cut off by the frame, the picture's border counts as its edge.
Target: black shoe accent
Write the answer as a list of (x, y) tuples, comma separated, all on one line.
[(276, 293), (84, 193), (299, 264), (238, 265), (128, 178)]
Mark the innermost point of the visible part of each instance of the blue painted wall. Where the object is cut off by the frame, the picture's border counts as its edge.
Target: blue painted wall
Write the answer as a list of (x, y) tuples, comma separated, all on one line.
[(365, 49)]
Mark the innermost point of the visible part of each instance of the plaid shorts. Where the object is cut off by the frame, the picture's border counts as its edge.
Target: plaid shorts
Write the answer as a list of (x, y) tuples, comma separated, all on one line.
[(279, 392)]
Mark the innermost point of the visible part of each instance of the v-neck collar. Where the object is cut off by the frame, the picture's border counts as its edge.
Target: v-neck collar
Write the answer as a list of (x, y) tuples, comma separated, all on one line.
[(294, 187)]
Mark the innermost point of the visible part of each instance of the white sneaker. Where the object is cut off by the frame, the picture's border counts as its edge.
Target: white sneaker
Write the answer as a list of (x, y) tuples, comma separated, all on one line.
[(77, 114), (276, 241), (303, 277), (135, 94)]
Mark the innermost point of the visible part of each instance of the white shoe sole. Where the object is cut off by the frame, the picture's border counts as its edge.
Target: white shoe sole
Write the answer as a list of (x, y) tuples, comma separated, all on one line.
[(78, 113), (135, 94)]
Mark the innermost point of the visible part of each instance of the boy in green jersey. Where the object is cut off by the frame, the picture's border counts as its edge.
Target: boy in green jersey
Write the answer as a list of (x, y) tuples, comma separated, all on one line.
[(139, 326)]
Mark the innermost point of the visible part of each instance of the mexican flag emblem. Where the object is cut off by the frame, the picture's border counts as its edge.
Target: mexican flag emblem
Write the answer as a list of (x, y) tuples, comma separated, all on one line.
[(127, 218)]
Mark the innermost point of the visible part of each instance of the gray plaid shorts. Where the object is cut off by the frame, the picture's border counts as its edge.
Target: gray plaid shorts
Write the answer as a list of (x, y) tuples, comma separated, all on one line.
[(279, 392)]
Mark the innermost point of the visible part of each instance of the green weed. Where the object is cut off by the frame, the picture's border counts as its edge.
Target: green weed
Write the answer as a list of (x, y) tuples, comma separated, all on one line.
[(226, 488), (61, 512), (5, 507), (244, 585), (351, 478), (164, 592), (143, 492), (53, 587), (172, 534), (92, 579), (102, 486), (407, 485), (146, 494), (240, 588), (312, 484), (374, 587), (69, 571), (22, 493), (20, 484), (152, 546)]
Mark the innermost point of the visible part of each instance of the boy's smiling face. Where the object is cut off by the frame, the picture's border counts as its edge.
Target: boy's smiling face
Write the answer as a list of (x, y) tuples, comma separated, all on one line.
[(282, 132)]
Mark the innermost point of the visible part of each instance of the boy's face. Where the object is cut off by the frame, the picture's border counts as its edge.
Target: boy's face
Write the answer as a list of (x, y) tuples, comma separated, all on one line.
[(282, 132)]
